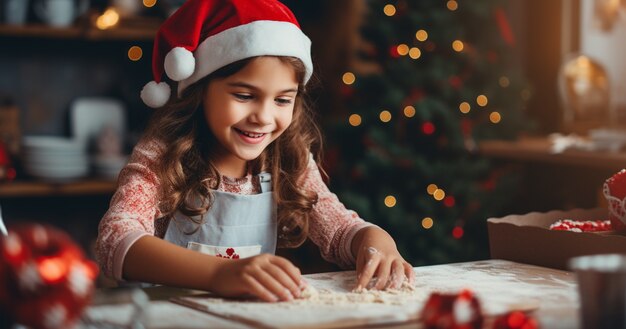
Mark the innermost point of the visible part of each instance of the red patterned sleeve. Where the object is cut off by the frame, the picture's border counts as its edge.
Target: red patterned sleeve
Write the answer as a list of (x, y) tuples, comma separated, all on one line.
[(332, 226), (132, 211)]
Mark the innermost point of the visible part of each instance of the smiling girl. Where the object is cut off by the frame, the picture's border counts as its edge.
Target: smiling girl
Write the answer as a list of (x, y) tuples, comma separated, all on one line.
[(227, 169)]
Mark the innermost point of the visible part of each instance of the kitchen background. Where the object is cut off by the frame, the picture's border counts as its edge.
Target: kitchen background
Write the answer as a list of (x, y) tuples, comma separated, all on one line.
[(410, 95)]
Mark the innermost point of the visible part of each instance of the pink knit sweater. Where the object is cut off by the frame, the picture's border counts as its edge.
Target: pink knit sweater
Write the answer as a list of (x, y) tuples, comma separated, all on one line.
[(134, 212)]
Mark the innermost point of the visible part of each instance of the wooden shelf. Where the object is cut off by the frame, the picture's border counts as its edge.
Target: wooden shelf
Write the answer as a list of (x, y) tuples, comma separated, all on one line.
[(136, 30), (539, 150), (42, 188)]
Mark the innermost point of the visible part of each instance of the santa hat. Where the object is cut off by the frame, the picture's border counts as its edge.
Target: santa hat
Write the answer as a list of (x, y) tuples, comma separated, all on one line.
[(205, 35)]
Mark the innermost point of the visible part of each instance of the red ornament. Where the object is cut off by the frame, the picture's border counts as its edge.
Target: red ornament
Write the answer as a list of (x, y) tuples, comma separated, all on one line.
[(504, 26), (346, 90), (452, 311), (455, 82), (457, 232), (7, 172), (415, 96), (466, 127), (515, 320), (428, 128), (393, 51), (449, 201), (614, 191), (45, 279)]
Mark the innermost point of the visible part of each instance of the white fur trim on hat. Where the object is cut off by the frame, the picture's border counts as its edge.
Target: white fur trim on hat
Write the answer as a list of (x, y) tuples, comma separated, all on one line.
[(179, 64), (155, 95), (258, 38)]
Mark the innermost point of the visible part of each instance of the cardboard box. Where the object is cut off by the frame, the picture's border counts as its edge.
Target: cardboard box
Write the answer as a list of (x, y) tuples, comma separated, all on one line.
[(528, 238)]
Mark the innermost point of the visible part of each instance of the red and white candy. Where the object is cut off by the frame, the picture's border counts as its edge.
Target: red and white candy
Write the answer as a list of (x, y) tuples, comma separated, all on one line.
[(582, 225)]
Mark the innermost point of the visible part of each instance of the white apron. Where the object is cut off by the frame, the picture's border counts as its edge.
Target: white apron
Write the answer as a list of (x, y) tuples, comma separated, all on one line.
[(236, 225)]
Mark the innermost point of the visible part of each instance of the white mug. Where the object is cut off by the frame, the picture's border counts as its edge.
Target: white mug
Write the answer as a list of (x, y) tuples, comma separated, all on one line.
[(59, 13)]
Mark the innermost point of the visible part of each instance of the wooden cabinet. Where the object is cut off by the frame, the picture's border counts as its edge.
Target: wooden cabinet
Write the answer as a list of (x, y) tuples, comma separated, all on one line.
[(570, 179)]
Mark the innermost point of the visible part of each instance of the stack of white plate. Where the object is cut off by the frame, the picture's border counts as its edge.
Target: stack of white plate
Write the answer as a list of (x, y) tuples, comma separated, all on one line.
[(54, 158), (108, 166)]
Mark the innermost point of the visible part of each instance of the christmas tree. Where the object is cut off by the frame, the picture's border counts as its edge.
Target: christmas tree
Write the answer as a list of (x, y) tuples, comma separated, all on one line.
[(432, 79)]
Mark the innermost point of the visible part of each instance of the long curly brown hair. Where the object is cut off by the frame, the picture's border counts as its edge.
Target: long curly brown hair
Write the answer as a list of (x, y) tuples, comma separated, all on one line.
[(186, 170)]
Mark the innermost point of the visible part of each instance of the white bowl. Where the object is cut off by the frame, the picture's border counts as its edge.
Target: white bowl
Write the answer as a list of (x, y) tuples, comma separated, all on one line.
[(52, 144), (108, 166), (55, 159), (57, 172)]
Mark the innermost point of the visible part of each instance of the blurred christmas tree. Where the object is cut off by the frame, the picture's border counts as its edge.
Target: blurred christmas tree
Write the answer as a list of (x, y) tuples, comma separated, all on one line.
[(433, 78)]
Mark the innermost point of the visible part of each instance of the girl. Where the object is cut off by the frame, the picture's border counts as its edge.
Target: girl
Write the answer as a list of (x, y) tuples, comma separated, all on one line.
[(225, 169)]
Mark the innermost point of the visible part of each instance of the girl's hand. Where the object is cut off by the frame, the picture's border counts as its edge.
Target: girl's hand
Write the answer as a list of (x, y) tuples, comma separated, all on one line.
[(379, 265), (268, 277)]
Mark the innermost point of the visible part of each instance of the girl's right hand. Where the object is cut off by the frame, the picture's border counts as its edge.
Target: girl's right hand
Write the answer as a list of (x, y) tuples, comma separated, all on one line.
[(268, 277)]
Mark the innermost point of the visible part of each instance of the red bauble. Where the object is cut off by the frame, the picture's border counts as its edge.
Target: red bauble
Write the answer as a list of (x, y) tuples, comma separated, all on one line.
[(615, 193), (7, 172), (452, 311), (515, 320), (45, 279)]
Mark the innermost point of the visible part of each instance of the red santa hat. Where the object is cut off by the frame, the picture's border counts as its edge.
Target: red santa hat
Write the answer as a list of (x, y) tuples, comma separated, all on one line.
[(205, 35)]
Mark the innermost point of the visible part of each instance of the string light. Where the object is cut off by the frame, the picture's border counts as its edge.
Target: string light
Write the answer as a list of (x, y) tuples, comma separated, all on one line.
[(149, 3), (482, 100), (415, 53), (135, 53), (504, 82), (421, 35), (348, 78), (495, 117), (465, 107), (439, 194), (390, 201), (457, 232), (403, 49), (389, 10), (452, 5), (108, 19), (427, 222), (428, 128), (409, 111), (385, 116), (431, 188), (458, 46), (354, 120)]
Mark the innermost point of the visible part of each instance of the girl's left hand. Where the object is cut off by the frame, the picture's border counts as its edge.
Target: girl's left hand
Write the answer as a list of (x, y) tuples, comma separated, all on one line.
[(379, 265)]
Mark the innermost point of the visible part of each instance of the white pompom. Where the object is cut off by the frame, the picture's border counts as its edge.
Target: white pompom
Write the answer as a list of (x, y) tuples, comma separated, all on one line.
[(179, 64), (155, 95)]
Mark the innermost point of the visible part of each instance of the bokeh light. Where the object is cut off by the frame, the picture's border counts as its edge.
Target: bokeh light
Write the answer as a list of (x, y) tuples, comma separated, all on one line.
[(482, 100), (355, 120), (389, 10), (385, 116), (135, 53), (348, 78), (390, 201)]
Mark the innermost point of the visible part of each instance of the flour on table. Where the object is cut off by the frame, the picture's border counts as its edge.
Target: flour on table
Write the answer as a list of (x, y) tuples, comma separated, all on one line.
[(406, 293)]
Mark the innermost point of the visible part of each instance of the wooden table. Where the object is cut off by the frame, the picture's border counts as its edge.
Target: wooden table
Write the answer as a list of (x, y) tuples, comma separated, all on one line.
[(498, 284)]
